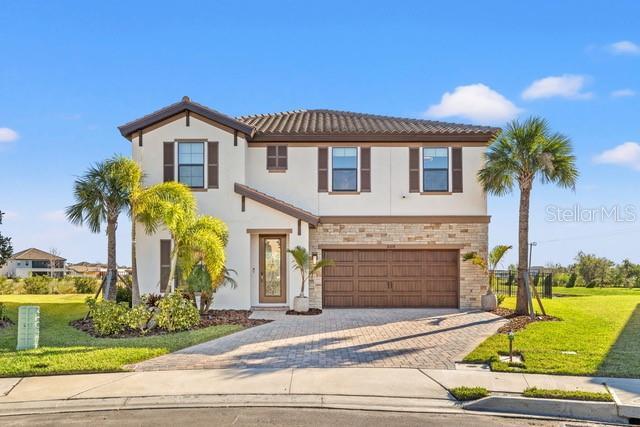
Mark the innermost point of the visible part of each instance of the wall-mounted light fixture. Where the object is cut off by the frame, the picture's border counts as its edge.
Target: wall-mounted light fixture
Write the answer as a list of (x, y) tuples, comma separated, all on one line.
[(314, 258)]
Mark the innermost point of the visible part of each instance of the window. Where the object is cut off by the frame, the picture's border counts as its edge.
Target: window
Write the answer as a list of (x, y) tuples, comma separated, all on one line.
[(277, 157), (344, 169), (191, 164), (435, 169)]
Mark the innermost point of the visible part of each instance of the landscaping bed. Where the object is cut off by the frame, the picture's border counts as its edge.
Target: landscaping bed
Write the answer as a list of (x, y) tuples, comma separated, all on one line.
[(310, 312), (519, 322), (210, 318)]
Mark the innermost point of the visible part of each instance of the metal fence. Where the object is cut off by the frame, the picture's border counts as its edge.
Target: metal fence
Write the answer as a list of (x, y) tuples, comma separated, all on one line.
[(505, 282)]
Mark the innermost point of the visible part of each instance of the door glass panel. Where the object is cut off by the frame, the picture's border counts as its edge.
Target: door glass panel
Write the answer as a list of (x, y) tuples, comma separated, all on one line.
[(272, 267)]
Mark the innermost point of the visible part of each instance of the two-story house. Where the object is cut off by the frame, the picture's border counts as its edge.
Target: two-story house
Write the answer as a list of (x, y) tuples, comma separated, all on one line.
[(34, 262), (394, 202)]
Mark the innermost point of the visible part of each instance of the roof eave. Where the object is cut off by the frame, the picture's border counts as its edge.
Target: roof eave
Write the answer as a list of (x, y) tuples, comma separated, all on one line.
[(463, 137), (278, 205)]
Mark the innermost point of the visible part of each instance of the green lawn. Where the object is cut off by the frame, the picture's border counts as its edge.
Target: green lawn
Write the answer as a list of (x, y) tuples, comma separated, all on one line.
[(64, 349), (601, 325)]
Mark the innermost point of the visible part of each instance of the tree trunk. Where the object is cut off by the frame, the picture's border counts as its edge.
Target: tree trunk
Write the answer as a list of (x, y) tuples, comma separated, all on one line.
[(172, 270), (112, 266), (135, 287), (302, 287), (522, 302)]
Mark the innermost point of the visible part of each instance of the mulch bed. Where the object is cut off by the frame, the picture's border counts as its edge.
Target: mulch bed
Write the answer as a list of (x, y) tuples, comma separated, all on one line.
[(311, 312), (5, 323), (210, 318), (516, 322)]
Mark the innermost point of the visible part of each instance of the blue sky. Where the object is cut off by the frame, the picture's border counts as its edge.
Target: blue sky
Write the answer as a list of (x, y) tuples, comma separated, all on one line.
[(71, 71)]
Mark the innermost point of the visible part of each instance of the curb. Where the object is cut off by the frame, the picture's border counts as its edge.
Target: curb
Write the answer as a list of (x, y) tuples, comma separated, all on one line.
[(368, 403), (571, 409)]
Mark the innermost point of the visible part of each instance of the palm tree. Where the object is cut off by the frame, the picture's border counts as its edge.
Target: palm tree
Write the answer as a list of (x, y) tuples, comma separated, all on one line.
[(489, 265), (518, 155), (202, 243), (101, 196), (302, 263), (170, 205)]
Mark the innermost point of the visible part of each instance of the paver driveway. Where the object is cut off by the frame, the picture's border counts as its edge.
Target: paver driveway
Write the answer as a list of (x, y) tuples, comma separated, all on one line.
[(412, 338)]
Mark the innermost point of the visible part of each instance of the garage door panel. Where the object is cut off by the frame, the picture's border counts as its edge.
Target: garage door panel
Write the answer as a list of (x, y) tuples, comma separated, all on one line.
[(372, 286), (373, 270), (339, 270), (338, 286), (391, 278)]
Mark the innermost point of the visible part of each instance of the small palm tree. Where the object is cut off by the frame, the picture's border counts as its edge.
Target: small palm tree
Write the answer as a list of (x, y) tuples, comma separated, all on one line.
[(101, 196), (518, 155), (488, 265), (302, 263), (199, 281)]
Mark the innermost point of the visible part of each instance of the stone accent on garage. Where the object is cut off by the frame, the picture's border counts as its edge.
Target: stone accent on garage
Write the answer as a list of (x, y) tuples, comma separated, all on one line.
[(469, 236)]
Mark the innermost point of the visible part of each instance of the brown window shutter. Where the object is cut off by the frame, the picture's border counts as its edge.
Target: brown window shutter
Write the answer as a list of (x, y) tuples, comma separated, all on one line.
[(365, 169), (165, 263), (456, 170), (414, 170), (212, 164), (168, 155), (323, 169), (272, 158), (282, 157)]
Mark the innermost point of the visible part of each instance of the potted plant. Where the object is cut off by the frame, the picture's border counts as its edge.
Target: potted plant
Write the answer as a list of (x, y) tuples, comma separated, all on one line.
[(303, 263), (489, 301)]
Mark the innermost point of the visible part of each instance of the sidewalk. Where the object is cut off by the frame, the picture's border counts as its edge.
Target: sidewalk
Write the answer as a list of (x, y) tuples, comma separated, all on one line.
[(397, 389)]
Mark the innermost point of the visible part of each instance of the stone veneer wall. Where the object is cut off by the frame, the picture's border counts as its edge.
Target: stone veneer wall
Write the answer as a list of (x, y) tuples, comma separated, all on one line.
[(472, 237)]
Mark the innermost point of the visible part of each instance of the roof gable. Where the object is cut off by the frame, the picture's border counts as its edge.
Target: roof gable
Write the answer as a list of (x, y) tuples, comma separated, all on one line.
[(35, 254), (186, 104)]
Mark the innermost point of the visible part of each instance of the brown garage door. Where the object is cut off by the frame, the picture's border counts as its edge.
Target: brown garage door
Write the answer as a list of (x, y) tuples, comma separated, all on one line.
[(391, 278)]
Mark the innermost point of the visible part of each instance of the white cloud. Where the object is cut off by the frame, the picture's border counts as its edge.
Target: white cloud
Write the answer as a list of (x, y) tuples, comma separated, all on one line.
[(627, 154), (624, 47), (623, 93), (55, 216), (8, 135), (476, 102), (565, 86)]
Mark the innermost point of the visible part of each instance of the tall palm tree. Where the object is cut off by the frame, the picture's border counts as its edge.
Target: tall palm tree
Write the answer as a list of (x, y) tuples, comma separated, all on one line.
[(521, 153), (100, 197)]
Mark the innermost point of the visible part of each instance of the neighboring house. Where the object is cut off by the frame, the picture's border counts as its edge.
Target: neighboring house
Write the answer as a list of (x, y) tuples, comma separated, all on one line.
[(393, 201), (96, 270), (34, 262)]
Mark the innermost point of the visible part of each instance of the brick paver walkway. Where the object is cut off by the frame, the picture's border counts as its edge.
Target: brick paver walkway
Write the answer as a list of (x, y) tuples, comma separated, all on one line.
[(412, 338)]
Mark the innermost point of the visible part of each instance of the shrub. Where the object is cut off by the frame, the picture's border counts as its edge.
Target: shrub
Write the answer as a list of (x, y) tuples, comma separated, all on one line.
[(572, 280), (6, 286), (3, 311), (84, 285), (177, 313), (109, 318), (123, 294), (59, 286), (151, 300), (500, 298), (38, 285), (469, 393), (138, 318)]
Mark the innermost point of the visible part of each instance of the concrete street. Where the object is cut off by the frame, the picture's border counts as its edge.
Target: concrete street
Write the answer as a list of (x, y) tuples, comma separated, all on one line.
[(270, 417)]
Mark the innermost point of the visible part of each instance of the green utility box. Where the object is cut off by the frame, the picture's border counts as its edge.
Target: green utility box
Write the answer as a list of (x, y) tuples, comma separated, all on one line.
[(28, 327)]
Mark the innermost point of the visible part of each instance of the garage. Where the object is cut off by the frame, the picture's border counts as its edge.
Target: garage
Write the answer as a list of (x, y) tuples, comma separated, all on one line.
[(391, 278)]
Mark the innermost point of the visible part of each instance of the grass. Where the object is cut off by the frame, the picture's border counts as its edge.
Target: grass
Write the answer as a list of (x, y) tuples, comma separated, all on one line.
[(64, 349), (569, 395), (600, 325), (469, 393)]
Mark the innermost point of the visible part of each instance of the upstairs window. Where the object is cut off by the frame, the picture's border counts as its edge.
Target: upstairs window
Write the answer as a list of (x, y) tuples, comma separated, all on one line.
[(277, 157), (191, 164), (435, 169), (344, 169)]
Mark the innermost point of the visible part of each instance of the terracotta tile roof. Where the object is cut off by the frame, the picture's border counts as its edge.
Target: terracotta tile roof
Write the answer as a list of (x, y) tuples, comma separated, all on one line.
[(35, 254), (355, 126), (276, 204)]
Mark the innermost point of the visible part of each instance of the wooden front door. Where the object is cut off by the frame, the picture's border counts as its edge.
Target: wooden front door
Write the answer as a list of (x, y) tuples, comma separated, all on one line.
[(273, 272), (391, 278)]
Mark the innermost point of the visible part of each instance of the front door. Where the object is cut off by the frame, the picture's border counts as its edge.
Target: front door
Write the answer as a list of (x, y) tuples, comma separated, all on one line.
[(273, 281)]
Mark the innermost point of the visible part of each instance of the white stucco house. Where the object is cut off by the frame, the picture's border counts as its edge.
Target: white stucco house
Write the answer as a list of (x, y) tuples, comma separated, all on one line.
[(394, 202), (34, 262)]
